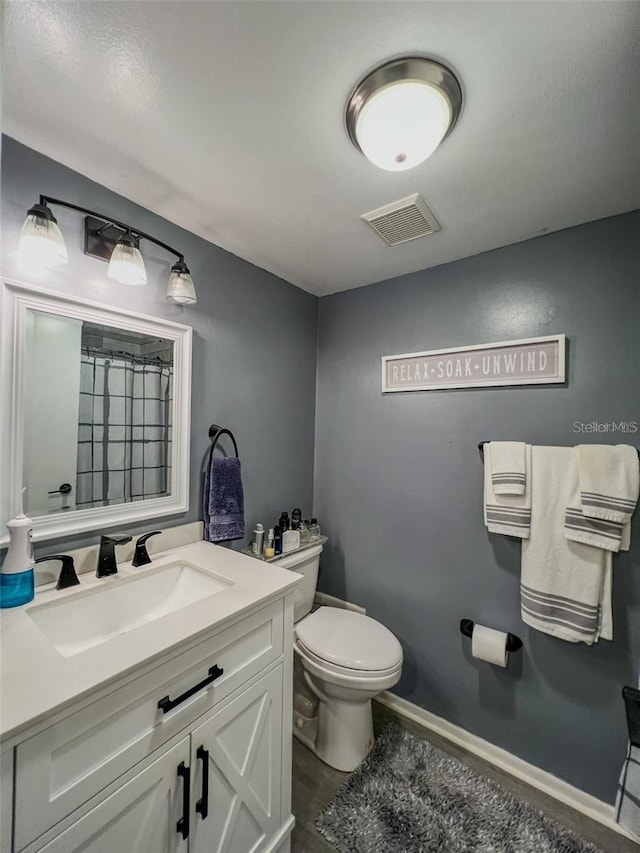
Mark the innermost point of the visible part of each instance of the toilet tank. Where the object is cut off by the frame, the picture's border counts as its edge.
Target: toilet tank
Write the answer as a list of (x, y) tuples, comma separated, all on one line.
[(305, 563)]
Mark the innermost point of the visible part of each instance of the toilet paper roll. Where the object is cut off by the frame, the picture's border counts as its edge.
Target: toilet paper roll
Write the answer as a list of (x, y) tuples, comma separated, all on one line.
[(490, 645)]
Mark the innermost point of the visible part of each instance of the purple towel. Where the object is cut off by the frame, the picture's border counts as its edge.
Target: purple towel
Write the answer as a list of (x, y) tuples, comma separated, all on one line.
[(223, 509)]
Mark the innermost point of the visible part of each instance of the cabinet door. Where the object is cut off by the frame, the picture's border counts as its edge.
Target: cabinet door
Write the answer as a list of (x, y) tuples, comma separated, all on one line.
[(240, 748), (6, 800), (140, 817)]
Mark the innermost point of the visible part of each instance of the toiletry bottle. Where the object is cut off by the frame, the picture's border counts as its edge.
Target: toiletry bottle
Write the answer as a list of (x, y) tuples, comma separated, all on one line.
[(304, 532), (284, 523), (270, 548), (296, 518), (258, 539), (16, 573), (314, 529), (277, 539), (290, 541)]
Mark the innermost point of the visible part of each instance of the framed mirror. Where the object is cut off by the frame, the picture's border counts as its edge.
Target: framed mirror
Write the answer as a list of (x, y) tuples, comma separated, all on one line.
[(95, 413)]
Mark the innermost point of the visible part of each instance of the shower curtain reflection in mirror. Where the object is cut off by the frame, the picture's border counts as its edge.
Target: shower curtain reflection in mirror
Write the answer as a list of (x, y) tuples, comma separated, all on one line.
[(124, 427), (98, 415)]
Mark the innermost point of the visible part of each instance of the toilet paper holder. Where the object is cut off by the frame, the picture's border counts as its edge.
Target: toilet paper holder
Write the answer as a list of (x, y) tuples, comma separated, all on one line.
[(514, 643)]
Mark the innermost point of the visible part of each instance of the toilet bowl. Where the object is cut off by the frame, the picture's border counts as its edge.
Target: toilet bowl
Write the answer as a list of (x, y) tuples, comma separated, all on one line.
[(342, 660), (347, 659)]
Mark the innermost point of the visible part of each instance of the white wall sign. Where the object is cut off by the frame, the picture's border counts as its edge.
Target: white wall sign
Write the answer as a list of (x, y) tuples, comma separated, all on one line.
[(533, 361)]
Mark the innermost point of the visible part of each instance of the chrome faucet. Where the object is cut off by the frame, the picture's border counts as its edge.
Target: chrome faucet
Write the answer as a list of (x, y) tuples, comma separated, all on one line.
[(107, 555)]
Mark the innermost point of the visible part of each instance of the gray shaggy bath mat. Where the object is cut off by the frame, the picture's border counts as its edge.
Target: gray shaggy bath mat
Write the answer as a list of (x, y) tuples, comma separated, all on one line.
[(409, 797)]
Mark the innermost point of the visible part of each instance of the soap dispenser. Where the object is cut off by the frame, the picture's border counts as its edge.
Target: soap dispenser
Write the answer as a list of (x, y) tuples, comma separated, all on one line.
[(16, 572)]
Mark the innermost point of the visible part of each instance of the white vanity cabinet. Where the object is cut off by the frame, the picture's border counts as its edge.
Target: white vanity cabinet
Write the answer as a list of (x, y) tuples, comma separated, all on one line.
[(189, 755)]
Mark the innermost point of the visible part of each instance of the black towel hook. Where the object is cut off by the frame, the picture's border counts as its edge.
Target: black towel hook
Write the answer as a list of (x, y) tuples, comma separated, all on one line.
[(216, 432)]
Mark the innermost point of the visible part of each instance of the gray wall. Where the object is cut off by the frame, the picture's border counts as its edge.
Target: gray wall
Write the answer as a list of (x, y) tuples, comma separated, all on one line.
[(398, 484), (254, 346), (398, 478)]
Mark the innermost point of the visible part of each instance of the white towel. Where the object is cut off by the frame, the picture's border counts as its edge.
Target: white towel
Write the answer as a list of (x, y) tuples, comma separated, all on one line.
[(594, 517), (609, 481), (608, 535), (507, 514), (628, 798), (581, 525), (508, 466), (566, 586)]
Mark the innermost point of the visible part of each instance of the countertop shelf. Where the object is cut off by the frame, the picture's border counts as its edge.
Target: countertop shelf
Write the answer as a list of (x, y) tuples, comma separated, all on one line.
[(314, 540)]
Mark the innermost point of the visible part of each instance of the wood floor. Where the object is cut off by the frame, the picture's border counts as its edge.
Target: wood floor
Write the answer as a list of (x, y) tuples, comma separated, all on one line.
[(314, 785)]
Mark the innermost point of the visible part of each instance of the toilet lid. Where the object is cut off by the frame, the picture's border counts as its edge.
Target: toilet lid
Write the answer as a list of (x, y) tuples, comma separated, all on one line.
[(349, 639)]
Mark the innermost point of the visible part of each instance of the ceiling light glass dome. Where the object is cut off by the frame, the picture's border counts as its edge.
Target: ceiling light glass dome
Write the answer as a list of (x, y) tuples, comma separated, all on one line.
[(400, 113)]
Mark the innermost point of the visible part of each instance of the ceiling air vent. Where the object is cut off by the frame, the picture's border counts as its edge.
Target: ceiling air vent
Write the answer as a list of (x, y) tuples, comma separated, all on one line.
[(402, 220)]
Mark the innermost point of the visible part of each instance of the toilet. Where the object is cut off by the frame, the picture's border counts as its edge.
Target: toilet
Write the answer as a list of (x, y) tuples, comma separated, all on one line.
[(342, 659)]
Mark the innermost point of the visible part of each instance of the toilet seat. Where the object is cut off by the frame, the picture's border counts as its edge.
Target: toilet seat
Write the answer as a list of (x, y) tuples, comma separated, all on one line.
[(348, 672), (343, 641)]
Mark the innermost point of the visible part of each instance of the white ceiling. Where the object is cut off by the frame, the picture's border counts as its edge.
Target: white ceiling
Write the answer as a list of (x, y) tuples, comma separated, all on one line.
[(227, 118)]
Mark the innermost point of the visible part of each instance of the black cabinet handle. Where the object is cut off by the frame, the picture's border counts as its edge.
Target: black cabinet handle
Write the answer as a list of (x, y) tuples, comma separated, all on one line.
[(166, 704), (182, 825), (202, 806)]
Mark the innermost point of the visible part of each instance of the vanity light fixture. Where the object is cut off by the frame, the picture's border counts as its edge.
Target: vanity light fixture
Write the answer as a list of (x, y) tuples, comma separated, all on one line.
[(126, 264), (180, 288), (42, 246), (400, 112), (41, 241)]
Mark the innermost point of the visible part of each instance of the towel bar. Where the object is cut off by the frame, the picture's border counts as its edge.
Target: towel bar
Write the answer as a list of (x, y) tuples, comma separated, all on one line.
[(216, 432), (514, 643), (481, 445)]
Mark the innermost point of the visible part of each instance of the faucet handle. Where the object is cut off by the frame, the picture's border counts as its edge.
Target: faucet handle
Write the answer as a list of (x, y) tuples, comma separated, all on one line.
[(68, 576), (141, 556)]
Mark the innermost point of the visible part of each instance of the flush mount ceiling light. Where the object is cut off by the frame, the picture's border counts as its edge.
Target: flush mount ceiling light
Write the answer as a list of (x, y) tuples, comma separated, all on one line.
[(400, 112), (42, 246)]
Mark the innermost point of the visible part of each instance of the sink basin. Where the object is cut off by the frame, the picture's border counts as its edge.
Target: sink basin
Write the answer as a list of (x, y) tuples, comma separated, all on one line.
[(117, 605)]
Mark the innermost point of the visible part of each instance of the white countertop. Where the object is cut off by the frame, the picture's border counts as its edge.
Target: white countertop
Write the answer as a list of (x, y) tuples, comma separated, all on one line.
[(36, 681)]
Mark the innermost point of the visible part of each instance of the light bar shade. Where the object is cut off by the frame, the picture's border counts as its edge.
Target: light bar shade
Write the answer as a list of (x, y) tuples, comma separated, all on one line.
[(180, 288), (126, 265), (41, 243)]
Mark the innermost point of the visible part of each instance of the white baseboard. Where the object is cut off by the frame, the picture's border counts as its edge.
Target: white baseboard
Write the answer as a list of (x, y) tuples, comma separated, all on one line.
[(323, 599), (546, 782)]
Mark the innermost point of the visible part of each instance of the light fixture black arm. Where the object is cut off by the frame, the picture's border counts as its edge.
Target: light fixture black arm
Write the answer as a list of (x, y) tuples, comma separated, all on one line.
[(135, 231)]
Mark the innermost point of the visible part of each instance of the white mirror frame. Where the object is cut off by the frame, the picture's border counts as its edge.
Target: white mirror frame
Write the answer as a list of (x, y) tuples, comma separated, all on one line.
[(17, 299)]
